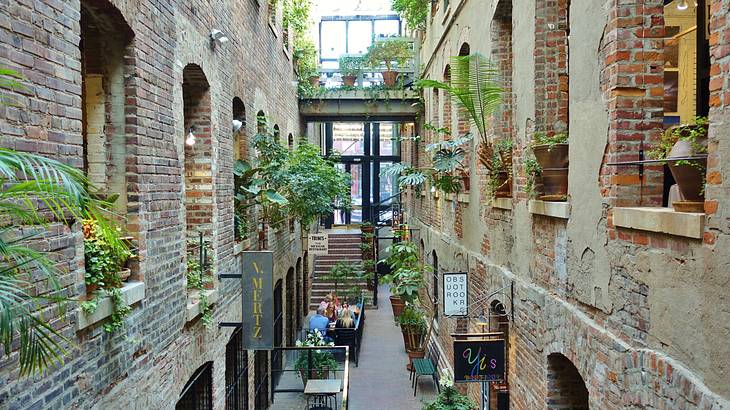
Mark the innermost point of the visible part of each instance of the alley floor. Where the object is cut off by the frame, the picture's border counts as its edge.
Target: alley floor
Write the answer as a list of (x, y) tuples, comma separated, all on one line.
[(380, 382)]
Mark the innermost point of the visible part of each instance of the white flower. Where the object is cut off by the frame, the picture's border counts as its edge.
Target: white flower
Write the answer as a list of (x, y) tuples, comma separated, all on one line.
[(446, 380), (298, 343)]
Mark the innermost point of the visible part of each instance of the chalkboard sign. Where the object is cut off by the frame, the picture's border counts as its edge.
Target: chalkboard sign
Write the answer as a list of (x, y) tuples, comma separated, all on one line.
[(478, 360)]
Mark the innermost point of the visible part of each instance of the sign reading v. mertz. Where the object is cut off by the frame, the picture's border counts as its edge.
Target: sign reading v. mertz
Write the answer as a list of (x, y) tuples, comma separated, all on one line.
[(318, 244), (258, 300)]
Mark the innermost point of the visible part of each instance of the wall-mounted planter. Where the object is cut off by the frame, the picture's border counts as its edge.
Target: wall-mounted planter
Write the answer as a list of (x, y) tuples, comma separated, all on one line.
[(554, 163)]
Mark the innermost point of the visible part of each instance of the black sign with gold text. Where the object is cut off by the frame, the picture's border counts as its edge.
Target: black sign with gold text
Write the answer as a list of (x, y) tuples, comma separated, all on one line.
[(478, 360), (258, 300)]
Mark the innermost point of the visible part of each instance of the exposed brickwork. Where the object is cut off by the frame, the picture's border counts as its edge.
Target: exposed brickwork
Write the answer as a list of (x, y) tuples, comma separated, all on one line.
[(551, 65), (158, 351)]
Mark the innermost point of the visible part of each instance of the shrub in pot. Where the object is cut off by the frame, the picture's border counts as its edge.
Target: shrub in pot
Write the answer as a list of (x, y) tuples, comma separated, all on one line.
[(413, 326), (341, 272), (350, 68), (683, 141), (500, 170), (449, 398), (314, 363), (551, 156), (389, 52), (406, 276)]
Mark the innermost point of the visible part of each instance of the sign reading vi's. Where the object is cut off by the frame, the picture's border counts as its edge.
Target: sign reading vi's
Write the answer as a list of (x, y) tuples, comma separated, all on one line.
[(258, 300), (318, 244), (478, 360), (456, 299)]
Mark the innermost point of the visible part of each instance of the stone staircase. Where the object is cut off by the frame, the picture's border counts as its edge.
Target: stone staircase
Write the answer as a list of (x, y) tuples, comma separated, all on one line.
[(343, 247)]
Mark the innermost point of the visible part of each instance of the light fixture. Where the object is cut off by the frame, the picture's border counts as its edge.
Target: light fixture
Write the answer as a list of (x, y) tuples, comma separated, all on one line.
[(682, 5), (433, 189), (190, 140), (482, 320), (237, 124), (217, 37)]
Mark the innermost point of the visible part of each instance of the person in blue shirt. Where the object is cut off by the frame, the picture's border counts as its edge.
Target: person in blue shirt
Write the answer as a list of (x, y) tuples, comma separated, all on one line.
[(319, 322)]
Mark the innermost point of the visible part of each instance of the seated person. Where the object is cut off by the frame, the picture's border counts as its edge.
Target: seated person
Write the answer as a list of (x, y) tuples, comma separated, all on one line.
[(346, 320), (319, 322), (326, 301)]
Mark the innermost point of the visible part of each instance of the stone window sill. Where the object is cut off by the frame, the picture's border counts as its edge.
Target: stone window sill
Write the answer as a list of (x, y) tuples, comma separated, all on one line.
[(549, 208), (664, 220), (502, 203), (132, 292), (193, 307)]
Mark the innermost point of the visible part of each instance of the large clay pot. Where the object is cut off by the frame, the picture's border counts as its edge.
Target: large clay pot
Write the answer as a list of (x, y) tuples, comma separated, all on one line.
[(504, 185), (551, 157), (397, 304), (412, 337), (689, 178), (417, 353), (554, 184), (349, 80), (314, 81), (389, 78)]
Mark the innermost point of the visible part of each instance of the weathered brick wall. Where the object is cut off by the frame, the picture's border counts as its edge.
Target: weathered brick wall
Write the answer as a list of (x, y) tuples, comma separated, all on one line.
[(638, 313), (158, 351)]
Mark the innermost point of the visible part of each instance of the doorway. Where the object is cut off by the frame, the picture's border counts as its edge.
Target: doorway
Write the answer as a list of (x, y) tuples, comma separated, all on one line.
[(365, 149)]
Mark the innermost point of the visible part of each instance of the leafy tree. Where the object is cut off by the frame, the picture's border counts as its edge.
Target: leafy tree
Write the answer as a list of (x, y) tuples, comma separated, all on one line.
[(414, 12), (314, 184)]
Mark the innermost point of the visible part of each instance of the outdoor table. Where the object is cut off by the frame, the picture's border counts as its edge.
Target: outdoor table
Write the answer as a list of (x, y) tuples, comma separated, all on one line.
[(322, 387)]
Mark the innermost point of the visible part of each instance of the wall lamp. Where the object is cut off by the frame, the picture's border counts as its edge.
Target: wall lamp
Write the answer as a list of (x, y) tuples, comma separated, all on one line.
[(217, 37), (237, 124), (190, 140)]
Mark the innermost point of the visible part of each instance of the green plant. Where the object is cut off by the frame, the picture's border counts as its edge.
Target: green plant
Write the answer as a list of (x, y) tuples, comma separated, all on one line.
[(414, 12), (501, 162), (340, 272), (120, 310), (104, 258), (541, 138), (366, 246), (389, 52), (314, 360), (532, 171), (197, 279), (449, 398), (296, 16), (695, 133), (413, 317), (351, 65), (368, 265), (29, 182), (313, 185), (475, 88)]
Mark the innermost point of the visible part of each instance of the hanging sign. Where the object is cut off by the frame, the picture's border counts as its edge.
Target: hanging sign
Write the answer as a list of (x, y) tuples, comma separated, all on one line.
[(478, 360), (258, 300), (456, 295), (318, 243)]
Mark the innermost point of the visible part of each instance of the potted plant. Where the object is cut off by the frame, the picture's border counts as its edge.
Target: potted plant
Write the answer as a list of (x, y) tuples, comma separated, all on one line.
[(314, 363), (500, 173), (449, 398), (389, 52), (413, 325), (403, 262), (367, 250), (684, 147), (350, 68), (341, 272), (551, 154), (367, 227), (368, 273)]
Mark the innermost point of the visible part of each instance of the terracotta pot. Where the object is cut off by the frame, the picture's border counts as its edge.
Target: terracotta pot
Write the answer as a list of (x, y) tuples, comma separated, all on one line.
[(555, 184), (466, 182), (124, 274), (314, 374), (314, 81), (555, 157), (412, 337), (90, 289), (389, 78), (504, 185), (367, 229), (397, 304), (349, 80), (689, 178)]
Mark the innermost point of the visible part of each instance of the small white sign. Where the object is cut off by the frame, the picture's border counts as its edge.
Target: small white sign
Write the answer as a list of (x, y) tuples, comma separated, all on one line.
[(318, 244), (456, 291)]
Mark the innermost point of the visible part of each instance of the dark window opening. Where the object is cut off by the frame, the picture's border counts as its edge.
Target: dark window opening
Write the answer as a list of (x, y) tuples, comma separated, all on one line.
[(198, 392)]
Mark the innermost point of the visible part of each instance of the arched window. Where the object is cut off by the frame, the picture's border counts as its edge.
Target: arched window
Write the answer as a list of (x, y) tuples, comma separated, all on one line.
[(448, 121), (464, 50), (565, 386), (290, 310), (261, 122), (277, 134), (198, 391), (435, 287), (236, 372), (290, 142), (239, 129)]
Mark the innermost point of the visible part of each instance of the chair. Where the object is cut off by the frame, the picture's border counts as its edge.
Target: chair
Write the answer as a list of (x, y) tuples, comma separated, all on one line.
[(425, 367), (348, 337), (322, 402)]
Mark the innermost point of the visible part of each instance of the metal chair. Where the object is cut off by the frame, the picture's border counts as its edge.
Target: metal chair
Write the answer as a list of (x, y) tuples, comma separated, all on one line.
[(348, 337), (425, 367)]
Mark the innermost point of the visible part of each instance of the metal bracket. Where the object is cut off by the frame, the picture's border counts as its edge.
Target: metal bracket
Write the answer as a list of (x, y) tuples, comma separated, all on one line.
[(229, 324), (230, 276)]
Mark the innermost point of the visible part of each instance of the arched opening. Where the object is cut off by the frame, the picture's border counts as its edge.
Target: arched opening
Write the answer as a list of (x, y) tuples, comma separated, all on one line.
[(277, 134), (446, 98), (198, 155), (241, 214), (464, 50), (107, 56), (198, 391), (305, 284), (299, 292), (290, 310), (276, 355), (435, 284), (236, 372), (566, 388), (261, 122), (290, 142)]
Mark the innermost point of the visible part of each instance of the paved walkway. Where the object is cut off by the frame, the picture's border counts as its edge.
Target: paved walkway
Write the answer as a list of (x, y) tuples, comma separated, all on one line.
[(381, 381)]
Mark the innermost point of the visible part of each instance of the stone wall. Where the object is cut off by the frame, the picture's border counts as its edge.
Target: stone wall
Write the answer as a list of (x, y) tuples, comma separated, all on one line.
[(638, 312), (146, 364)]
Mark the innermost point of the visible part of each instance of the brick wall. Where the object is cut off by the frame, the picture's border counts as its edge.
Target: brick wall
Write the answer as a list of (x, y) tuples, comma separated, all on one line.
[(158, 350)]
